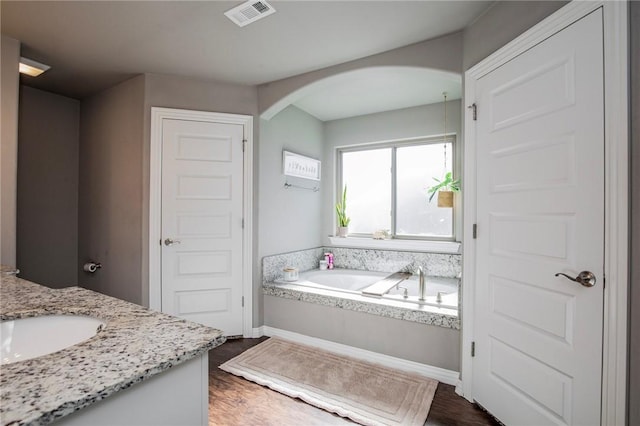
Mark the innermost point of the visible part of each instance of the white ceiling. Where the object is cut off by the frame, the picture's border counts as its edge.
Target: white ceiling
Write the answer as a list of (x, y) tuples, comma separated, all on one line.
[(92, 45), (372, 90)]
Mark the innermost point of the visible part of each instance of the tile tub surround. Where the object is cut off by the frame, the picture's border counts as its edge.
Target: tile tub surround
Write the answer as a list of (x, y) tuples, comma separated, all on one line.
[(304, 260), (135, 345), (434, 264), (407, 311)]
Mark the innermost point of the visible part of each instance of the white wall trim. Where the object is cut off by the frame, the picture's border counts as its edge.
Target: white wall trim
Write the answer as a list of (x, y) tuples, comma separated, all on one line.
[(448, 247), (616, 69), (443, 375), (258, 332), (155, 170), (616, 189), (469, 215)]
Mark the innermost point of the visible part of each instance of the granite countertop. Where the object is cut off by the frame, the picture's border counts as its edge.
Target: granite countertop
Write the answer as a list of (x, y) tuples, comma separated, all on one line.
[(385, 307), (136, 344)]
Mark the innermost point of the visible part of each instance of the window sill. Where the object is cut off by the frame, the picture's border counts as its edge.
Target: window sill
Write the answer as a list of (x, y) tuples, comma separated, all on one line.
[(447, 247)]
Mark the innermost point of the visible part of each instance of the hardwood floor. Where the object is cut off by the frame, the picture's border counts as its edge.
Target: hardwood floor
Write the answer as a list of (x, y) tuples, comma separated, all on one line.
[(235, 401)]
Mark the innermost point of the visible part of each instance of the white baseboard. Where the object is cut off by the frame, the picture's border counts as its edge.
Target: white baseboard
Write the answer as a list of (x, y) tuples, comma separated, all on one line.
[(449, 377), (257, 332)]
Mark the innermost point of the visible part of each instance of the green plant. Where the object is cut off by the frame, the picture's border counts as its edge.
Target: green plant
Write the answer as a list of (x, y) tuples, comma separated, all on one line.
[(446, 184), (341, 210)]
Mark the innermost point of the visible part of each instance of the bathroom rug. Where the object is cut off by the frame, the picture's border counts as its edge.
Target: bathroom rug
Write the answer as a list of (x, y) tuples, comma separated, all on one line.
[(367, 393)]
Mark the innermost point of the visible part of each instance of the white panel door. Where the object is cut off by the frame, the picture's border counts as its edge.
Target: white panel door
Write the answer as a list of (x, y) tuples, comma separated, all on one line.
[(540, 195), (202, 171)]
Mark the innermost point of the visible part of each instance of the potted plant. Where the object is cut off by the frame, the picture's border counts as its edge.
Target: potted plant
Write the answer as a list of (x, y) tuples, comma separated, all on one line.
[(445, 189), (343, 219)]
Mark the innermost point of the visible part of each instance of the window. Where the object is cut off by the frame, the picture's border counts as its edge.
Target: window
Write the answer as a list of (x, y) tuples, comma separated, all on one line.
[(387, 188)]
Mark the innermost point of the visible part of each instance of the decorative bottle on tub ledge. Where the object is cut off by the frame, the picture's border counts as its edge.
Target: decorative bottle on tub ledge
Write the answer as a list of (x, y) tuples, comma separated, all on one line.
[(329, 258)]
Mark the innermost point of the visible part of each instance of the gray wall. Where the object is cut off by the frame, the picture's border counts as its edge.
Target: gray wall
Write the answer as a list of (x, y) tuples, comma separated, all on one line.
[(427, 344), (419, 121), (114, 172), (503, 22), (47, 228), (10, 53), (111, 189), (634, 295), (179, 92), (290, 219)]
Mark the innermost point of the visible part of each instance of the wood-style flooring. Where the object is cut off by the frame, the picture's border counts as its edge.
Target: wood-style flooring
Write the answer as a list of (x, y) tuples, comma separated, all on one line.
[(235, 401)]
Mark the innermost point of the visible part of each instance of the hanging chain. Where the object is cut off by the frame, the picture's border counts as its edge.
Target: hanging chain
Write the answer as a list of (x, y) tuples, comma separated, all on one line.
[(445, 131)]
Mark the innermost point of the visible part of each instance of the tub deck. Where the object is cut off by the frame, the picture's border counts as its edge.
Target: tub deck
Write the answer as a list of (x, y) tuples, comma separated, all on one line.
[(391, 305)]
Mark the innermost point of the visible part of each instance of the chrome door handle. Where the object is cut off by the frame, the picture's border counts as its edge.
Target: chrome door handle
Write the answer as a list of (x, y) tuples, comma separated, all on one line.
[(586, 278), (170, 242)]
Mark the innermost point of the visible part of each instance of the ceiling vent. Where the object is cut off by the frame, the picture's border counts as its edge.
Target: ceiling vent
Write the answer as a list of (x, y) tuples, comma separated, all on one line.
[(249, 12)]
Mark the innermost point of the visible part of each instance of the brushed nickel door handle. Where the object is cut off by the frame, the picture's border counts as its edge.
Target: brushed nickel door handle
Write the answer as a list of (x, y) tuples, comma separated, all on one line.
[(586, 278), (170, 242)]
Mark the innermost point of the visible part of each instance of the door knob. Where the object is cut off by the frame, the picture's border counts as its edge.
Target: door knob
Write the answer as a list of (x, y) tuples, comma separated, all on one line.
[(170, 242), (586, 278)]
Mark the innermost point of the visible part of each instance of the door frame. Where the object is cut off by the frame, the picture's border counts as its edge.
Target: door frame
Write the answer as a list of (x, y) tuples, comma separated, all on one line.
[(155, 203), (616, 201)]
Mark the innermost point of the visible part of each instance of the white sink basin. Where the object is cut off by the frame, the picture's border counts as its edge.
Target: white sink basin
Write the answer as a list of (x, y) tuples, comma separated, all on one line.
[(27, 338)]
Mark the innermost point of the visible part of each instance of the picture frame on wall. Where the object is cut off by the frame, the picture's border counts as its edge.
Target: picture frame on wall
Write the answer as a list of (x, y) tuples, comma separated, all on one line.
[(300, 166)]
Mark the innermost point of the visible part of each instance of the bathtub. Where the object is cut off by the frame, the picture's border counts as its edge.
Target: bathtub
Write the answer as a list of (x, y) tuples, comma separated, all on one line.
[(355, 281)]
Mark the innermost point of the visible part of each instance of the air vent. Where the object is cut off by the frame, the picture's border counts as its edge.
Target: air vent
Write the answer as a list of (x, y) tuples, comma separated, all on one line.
[(249, 12)]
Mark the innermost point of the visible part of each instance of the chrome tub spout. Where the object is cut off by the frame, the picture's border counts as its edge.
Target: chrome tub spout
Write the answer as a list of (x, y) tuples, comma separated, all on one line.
[(422, 289)]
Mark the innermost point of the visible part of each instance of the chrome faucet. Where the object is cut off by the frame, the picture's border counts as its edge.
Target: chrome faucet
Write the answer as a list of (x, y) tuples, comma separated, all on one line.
[(422, 289)]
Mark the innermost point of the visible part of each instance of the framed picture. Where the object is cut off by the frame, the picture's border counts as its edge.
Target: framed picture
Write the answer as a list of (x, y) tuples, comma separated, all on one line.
[(300, 166)]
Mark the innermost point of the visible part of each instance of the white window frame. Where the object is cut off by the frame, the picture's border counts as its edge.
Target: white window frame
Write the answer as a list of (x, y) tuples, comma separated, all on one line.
[(409, 242)]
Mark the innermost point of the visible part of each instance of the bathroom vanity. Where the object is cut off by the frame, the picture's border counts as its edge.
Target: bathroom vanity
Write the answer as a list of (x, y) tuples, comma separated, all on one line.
[(141, 367)]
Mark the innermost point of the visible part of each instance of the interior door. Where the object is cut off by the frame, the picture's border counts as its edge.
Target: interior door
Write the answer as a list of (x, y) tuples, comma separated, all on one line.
[(202, 171), (540, 204)]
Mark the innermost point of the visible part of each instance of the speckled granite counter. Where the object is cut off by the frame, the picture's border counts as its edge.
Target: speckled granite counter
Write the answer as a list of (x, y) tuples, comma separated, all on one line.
[(135, 344), (424, 314)]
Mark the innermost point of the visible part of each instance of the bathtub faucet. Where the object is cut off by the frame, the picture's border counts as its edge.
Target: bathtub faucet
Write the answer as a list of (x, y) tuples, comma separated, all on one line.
[(422, 289)]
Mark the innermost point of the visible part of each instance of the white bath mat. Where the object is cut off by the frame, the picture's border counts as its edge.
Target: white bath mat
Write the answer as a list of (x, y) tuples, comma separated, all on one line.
[(366, 393)]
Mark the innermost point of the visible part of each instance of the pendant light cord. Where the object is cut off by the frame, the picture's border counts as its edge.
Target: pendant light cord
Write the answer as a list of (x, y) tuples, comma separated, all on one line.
[(444, 137)]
